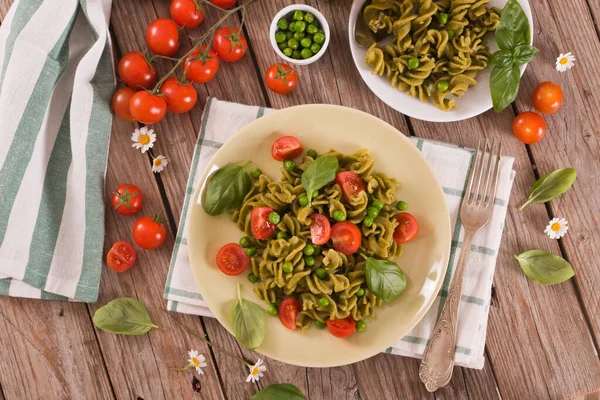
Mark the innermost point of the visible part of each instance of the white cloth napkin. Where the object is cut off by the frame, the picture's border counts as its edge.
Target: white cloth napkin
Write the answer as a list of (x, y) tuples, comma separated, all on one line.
[(222, 119)]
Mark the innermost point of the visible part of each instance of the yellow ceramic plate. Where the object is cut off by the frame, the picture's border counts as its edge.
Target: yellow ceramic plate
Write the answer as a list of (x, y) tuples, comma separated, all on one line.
[(325, 127)]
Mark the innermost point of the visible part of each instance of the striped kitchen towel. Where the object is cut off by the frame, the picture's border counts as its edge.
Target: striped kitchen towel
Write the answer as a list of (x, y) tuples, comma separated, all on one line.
[(451, 163), (56, 81)]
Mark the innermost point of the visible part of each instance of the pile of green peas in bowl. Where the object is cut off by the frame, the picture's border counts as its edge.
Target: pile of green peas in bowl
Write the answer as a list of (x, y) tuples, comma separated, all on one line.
[(299, 36)]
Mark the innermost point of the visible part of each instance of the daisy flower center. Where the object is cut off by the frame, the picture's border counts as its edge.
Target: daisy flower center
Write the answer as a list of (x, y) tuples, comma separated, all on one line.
[(145, 139), (157, 162), (196, 361), (555, 227), (255, 371), (564, 60)]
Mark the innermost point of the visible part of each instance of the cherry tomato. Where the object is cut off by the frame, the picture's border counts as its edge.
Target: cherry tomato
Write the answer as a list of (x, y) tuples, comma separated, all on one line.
[(147, 108), (120, 103), (121, 256), (286, 148), (346, 237), (547, 97), (281, 78), (223, 3), (288, 311), (407, 228), (201, 67), (162, 37), (260, 225), (351, 184), (149, 233), (135, 71), (341, 328), (127, 199), (320, 229), (186, 13), (529, 127), (180, 97), (230, 44), (232, 259)]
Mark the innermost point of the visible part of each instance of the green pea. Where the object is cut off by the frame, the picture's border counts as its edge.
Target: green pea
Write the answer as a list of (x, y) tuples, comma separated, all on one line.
[(251, 251), (442, 18), (319, 38), (306, 53), (323, 302), (309, 250), (292, 26), (287, 267), (300, 26), (401, 205), (283, 24), (312, 154), (442, 86), (368, 221), (372, 212), (290, 165), (289, 35), (339, 215), (277, 302), (283, 46), (274, 218), (312, 29), (321, 273), (282, 235), (315, 193), (252, 277), (280, 37), (361, 325), (296, 55), (288, 51), (298, 15), (450, 35), (272, 310), (256, 172), (320, 30), (378, 204), (413, 63), (293, 43), (303, 200), (299, 36), (309, 261), (315, 48), (245, 241), (309, 18), (306, 42), (320, 325), (427, 82), (360, 292), (317, 250)]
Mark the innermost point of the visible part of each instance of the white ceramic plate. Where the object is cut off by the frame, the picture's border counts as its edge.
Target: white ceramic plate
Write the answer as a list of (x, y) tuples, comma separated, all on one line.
[(424, 262), (476, 101)]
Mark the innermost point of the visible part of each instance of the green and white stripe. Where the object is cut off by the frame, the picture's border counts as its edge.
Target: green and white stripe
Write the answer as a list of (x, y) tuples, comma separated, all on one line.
[(56, 124)]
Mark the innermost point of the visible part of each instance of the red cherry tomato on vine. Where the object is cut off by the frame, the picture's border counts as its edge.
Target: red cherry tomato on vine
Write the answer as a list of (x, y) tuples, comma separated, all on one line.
[(286, 148), (162, 37), (120, 103), (529, 127), (351, 184), (230, 44), (320, 229), (346, 237), (147, 108), (180, 97), (127, 199), (407, 229), (547, 97), (149, 233), (281, 78), (202, 69), (223, 3), (288, 311), (186, 13), (121, 256), (232, 259), (260, 225), (135, 71), (341, 328)]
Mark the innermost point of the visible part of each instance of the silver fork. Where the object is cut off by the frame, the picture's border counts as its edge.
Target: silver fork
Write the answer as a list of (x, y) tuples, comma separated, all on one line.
[(438, 359)]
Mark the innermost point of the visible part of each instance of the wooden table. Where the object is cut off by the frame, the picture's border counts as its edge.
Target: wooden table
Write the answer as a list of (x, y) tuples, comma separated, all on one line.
[(541, 341)]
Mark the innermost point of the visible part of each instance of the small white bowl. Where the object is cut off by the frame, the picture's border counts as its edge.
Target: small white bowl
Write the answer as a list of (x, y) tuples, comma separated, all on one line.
[(287, 12)]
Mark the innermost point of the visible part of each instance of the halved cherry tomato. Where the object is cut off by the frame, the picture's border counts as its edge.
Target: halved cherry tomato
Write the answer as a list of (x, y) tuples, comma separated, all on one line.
[(260, 225), (529, 127), (341, 328), (281, 78), (351, 184), (286, 148), (135, 71), (223, 3), (127, 199), (288, 311), (180, 97), (232, 259), (147, 108), (186, 13), (120, 103), (346, 237), (149, 233), (162, 37), (201, 67), (121, 256), (407, 228), (547, 97), (320, 229), (230, 44)]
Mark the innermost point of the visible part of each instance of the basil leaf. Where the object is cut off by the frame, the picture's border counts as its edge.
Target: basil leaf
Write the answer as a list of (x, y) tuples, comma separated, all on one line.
[(513, 28), (384, 278), (545, 268), (524, 53), (319, 173), (502, 58), (504, 86), (124, 316), (249, 322), (226, 190), (551, 186), (279, 391)]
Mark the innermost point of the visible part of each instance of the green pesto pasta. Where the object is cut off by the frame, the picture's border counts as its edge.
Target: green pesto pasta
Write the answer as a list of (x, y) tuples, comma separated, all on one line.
[(447, 37)]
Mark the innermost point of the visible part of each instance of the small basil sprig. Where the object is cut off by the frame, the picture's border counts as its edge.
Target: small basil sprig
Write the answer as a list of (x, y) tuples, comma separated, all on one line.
[(279, 391), (226, 189), (545, 268), (124, 316), (249, 322), (384, 278), (513, 37), (551, 185), (319, 173)]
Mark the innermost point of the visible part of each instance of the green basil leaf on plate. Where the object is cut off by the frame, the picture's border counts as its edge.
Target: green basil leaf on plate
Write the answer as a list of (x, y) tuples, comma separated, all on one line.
[(124, 316), (551, 186), (279, 391), (502, 58), (249, 322), (524, 53), (545, 268), (504, 85), (319, 173), (226, 190), (513, 28), (384, 278)]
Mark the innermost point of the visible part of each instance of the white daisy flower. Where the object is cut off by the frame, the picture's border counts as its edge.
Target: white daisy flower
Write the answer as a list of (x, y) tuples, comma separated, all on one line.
[(143, 139), (159, 163), (556, 228), (565, 62), (256, 371), (197, 361)]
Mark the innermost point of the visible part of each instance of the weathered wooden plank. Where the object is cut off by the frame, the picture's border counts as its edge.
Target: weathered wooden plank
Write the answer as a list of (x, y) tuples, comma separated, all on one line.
[(481, 384), (4, 7)]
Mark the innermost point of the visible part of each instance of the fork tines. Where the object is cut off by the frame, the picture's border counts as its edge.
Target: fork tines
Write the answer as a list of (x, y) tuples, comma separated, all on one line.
[(481, 187)]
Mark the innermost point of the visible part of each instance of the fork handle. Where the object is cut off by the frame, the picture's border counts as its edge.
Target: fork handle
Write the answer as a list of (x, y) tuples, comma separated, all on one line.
[(438, 359)]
